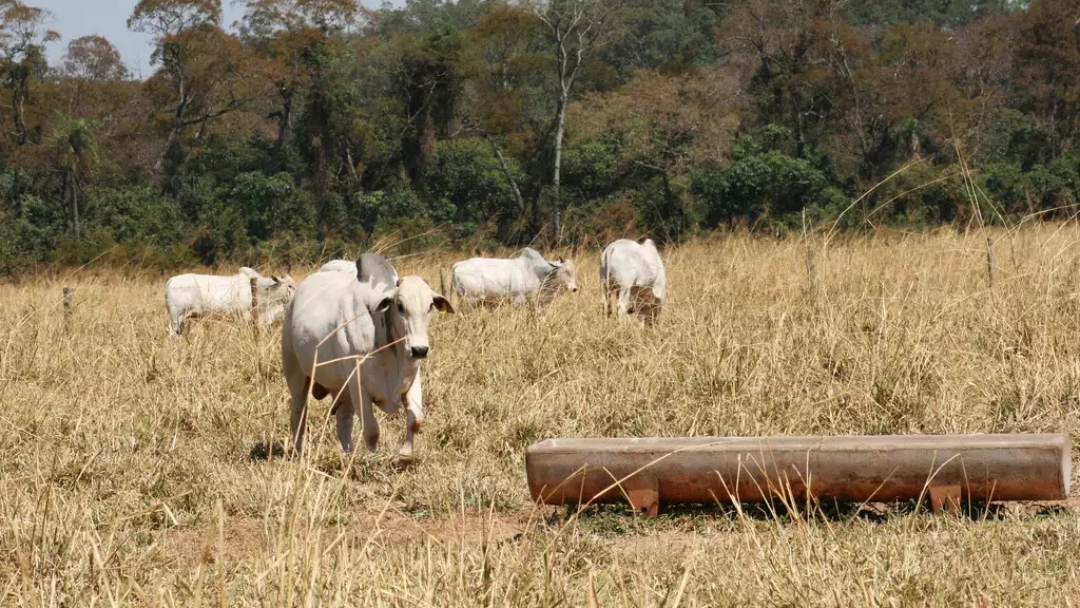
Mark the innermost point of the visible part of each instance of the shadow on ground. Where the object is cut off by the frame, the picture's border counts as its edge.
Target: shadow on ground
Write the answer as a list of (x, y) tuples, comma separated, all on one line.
[(267, 451)]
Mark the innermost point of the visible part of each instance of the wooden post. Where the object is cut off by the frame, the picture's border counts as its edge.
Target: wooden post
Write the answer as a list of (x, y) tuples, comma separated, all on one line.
[(811, 270), (254, 301), (69, 296), (658, 471)]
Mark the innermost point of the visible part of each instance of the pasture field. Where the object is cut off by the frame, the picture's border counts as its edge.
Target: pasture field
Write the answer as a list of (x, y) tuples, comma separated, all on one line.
[(135, 471)]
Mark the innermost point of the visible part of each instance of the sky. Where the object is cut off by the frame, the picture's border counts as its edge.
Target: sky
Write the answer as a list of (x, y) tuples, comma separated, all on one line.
[(77, 18)]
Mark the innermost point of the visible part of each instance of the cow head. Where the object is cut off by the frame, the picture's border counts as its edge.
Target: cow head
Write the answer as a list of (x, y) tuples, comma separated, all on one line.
[(564, 273), (411, 304), (280, 289)]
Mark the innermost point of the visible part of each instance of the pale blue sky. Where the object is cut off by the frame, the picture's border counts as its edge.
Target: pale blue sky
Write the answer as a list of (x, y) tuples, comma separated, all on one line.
[(76, 18), (108, 18)]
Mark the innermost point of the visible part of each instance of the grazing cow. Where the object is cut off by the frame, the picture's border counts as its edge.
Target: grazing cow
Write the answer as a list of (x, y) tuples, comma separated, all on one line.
[(331, 317), (636, 272), (191, 295), (526, 275)]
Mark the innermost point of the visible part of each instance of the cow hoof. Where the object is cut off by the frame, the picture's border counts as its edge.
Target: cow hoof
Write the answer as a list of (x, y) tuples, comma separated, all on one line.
[(405, 461)]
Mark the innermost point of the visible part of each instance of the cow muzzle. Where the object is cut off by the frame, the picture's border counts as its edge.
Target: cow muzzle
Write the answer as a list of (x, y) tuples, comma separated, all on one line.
[(419, 352)]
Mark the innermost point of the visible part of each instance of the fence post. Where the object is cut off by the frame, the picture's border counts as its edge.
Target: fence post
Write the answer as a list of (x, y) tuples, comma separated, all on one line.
[(811, 268), (69, 293), (254, 301)]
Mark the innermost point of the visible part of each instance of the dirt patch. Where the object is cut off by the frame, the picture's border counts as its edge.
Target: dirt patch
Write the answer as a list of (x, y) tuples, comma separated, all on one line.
[(247, 538)]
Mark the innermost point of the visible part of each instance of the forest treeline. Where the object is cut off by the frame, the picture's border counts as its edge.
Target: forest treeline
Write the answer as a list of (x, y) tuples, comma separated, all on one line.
[(312, 126)]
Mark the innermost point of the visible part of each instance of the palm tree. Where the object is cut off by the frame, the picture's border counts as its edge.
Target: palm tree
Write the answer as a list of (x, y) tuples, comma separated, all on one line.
[(75, 150)]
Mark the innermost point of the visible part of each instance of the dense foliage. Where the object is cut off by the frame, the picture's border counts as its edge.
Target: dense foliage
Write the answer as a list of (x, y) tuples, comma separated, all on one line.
[(316, 125)]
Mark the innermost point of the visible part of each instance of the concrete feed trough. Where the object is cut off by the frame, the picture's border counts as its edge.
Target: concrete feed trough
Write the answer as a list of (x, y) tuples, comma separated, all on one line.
[(654, 471)]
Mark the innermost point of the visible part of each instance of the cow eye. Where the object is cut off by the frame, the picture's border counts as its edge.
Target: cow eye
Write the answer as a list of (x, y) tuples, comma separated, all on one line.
[(400, 308)]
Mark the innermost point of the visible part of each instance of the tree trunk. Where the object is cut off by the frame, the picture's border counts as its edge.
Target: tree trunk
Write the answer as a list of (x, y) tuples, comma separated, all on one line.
[(19, 101), (174, 136), (1076, 32), (75, 204), (560, 130), (284, 119), (352, 166), (510, 178)]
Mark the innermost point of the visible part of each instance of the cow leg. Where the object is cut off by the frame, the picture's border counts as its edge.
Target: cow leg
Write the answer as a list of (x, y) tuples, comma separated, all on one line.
[(176, 321), (345, 414), (624, 302), (367, 414), (413, 401), (297, 383)]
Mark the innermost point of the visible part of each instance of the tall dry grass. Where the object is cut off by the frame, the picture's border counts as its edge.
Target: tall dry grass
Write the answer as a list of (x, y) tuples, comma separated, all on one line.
[(132, 469)]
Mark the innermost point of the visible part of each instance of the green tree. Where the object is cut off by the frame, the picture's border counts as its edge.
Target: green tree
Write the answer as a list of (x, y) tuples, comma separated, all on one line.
[(204, 72), (76, 152)]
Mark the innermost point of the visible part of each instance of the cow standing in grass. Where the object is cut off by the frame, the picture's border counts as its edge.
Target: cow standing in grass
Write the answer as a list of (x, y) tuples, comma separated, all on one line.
[(516, 280), (363, 343), (633, 273), (192, 295)]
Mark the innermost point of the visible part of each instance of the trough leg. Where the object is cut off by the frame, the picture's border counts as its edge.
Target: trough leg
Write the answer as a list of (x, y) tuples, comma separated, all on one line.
[(945, 497), (644, 495)]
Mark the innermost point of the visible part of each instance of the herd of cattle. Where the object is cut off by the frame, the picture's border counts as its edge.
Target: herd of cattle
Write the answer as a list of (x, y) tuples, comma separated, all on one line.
[(358, 331)]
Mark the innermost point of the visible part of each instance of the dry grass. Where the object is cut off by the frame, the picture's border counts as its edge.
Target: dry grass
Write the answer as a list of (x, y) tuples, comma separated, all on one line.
[(128, 475)]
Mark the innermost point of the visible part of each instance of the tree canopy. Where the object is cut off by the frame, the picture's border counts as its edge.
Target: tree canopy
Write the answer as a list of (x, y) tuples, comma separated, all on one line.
[(314, 126)]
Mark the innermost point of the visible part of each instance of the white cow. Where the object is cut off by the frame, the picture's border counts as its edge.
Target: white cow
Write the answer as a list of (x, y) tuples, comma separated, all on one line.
[(190, 295), (338, 266), (337, 305), (526, 275), (371, 267), (636, 272)]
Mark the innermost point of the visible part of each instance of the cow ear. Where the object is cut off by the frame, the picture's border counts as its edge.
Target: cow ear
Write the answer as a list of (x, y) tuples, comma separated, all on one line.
[(385, 304), (443, 304), (277, 281)]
